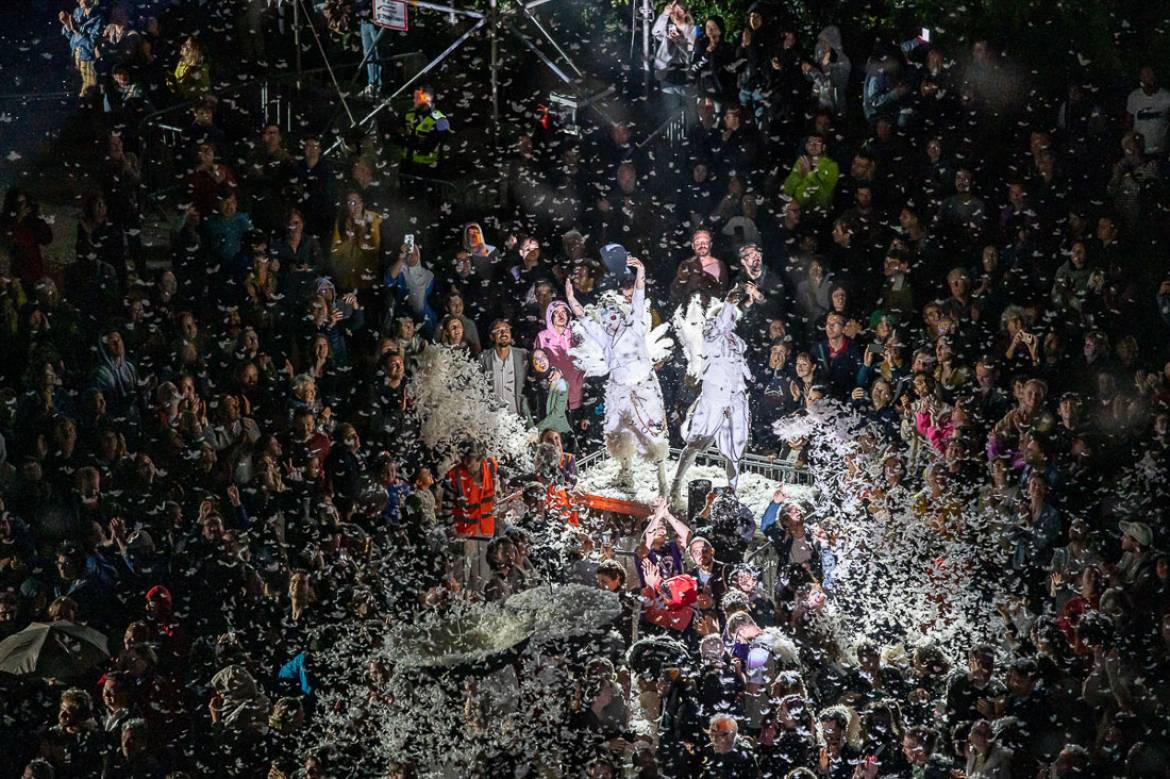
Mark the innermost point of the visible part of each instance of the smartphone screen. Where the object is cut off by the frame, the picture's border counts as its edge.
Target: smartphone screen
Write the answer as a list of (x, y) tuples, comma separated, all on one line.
[(925, 34)]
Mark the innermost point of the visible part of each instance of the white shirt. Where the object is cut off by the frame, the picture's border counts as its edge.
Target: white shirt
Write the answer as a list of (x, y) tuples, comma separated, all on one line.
[(1151, 117), (504, 380), (672, 52), (625, 348)]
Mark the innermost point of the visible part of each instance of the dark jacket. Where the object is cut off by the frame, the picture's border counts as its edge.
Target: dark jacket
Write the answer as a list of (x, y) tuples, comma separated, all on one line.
[(739, 763), (757, 54), (344, 471), (840, 371), (691, 278), (711, 69)]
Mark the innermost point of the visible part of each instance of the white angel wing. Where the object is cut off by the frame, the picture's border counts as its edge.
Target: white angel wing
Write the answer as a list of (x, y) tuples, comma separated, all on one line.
[(588, 353), (688, 323), (658, 343)]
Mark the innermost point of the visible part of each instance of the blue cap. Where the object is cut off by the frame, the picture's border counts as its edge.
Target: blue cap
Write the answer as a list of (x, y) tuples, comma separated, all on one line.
[(614, 256)]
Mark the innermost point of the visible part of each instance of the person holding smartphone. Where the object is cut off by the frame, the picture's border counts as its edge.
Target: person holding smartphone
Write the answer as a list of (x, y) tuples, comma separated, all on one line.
[(413, 285), (675, 32), (1026, 344)]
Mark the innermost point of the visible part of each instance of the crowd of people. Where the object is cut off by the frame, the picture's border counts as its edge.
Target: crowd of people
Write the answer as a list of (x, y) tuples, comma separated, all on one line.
[(216, 463)]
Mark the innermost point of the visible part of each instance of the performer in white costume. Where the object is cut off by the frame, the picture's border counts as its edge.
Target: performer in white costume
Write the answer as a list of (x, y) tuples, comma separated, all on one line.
[(720, 416), (615, 338)]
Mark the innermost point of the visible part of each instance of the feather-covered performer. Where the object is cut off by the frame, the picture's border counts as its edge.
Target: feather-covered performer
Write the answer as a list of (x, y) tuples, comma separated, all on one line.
[(717, 357), (615, 338)]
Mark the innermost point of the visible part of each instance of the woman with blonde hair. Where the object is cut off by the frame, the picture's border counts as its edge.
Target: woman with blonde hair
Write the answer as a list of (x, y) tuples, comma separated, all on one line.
[(840, 741), (191, 79), (355, 257)]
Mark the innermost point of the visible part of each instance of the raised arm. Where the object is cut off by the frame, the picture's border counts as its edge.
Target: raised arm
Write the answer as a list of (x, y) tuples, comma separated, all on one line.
[(681, 529), (651, 528), (659, 29), (772, 513), (639, 301), (395, 268), (725, 320), (571, 298)]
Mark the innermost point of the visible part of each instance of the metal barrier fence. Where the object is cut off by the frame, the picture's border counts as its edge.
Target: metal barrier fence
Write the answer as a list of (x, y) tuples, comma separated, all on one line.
[(673, 131)]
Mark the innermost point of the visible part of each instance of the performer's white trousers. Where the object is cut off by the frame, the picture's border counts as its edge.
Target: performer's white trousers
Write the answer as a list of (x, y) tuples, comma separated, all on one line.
[(635, 420), (722, 421)]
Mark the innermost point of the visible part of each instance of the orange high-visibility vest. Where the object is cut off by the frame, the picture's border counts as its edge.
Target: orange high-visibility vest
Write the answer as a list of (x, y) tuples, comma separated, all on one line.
[(475, 504), (557, 499)]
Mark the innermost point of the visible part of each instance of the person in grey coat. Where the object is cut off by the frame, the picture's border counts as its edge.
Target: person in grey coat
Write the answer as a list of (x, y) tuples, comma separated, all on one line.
[(506, 367)]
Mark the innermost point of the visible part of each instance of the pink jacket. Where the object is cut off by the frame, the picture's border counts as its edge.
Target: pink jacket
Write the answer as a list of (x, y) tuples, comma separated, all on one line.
[(556, 346), (938, 436)]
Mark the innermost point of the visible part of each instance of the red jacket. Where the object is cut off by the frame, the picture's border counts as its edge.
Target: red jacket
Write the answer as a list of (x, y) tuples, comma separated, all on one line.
[(671, 607)]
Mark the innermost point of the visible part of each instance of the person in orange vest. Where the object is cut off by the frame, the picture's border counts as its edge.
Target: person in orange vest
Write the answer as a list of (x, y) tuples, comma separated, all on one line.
[(559, 503), (469, 503), (558, 471), (566, 463)]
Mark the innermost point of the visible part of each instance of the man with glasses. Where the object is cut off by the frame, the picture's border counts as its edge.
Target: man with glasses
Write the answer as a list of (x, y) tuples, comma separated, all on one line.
[(726, 756)]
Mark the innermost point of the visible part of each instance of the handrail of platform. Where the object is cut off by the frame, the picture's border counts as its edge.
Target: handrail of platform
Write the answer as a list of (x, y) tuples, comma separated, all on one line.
[(783, 472), (673, 128)]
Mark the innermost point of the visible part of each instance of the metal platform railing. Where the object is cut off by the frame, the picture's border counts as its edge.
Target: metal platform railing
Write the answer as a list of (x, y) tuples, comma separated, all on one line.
[(779, 471), (761, 553)]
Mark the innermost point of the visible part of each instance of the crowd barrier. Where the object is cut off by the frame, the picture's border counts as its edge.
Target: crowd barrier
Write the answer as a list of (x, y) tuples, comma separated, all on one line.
[(672, 132)]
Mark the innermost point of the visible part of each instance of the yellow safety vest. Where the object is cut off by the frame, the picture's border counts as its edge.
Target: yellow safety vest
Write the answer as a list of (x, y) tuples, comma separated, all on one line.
[(418, 128)]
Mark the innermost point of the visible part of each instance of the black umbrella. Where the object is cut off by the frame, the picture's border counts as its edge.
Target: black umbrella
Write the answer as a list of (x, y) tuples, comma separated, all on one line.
[(61, 650), (649, 656)]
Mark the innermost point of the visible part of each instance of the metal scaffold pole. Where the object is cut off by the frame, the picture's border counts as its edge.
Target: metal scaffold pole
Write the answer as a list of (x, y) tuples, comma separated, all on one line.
[(297, 39), (647, 11), (495, 14)]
